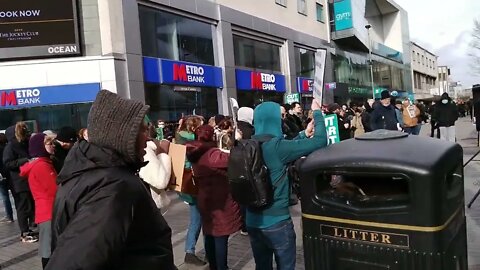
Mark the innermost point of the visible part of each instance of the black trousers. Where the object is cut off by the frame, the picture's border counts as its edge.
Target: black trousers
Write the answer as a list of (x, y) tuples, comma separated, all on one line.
[(25, 209)]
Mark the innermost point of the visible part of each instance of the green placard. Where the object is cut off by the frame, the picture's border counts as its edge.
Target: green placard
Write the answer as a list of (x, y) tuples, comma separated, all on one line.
[(331, 125), (290, 98)]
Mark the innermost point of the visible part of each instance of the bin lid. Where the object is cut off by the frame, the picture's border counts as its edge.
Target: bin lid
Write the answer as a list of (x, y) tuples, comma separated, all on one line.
[(382, 134), (387, 151)]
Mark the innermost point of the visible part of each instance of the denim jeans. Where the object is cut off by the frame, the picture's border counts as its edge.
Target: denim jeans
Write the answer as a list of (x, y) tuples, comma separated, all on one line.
[(278, 240), (216, 248), (193, 229), (5, 197)]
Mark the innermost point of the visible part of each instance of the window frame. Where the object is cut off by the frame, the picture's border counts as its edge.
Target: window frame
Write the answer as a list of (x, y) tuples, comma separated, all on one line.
[(282, 3), (305, 11), (320, 6)]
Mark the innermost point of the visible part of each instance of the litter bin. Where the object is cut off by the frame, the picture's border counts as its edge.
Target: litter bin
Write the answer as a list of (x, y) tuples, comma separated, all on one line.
[(384, 201)]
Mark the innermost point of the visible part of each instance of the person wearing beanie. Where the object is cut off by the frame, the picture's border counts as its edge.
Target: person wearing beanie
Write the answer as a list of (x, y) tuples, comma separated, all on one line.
[(384, 115), (445, 114), (104, 216), (42, 181), (65, 139), (245, 122)]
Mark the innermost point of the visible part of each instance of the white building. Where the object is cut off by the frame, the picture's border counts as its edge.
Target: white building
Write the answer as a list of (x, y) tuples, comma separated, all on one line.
[(424, 71)]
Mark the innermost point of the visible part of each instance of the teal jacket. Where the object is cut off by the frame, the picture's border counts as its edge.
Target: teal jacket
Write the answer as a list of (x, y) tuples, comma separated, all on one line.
[(277, 153)]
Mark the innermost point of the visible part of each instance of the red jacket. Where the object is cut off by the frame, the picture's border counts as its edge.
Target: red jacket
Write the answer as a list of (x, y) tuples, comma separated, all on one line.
[(220, 213), (42, 181)]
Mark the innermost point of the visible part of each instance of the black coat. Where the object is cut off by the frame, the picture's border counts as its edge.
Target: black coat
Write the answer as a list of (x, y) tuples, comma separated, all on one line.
[(59, 157), (446, 114), (15, 155), (383, 117), (246, 129), (104, 217)]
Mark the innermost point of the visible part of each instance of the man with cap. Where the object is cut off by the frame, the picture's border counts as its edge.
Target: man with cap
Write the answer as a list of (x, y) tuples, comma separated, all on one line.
[(384, 115), (66, 137), (104, 217)]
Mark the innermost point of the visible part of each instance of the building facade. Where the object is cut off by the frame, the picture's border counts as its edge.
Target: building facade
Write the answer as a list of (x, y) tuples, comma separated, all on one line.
[(180, 57), (444, 81), (372, 51), (425, 72)]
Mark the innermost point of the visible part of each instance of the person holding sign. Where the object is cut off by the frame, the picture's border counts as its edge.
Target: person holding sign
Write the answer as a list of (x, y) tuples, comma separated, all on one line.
[(410, 114), (271, 230)]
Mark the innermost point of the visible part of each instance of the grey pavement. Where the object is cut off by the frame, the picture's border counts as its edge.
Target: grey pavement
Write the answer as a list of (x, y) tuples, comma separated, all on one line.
[(15, 255)]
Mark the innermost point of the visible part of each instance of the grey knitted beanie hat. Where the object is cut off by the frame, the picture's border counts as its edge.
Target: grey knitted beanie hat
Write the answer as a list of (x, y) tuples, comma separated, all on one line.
[(114, 122)]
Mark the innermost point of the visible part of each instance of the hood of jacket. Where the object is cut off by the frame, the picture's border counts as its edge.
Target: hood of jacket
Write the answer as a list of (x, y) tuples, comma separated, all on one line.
[(85, 156), (26, 168), (10, 134), (196, 149), (267, 119), (444, 96)]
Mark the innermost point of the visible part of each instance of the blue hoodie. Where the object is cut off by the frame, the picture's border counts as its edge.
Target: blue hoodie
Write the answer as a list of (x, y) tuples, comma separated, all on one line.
[(277, 153)]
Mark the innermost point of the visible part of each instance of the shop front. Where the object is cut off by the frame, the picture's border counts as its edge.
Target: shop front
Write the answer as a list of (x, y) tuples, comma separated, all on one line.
[(49, 107), (257, 87), (174, 89)]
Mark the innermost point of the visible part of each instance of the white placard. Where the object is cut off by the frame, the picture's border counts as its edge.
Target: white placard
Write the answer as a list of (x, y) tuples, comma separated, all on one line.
[(320, 61)]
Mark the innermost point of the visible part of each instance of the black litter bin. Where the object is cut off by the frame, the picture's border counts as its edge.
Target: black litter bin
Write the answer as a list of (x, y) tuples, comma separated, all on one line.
[(384, 201)]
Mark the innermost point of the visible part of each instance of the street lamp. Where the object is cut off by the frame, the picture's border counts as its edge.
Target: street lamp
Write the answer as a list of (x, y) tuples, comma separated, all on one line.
[(368, 26)]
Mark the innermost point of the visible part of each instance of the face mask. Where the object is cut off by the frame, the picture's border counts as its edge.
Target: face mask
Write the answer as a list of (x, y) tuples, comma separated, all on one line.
[(444, 101)]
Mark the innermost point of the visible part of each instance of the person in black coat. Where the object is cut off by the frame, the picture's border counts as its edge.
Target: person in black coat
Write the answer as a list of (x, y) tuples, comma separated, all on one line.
[(446, 113), (66, 137), (14, 156), (104, 217), (366, 116), (5, 184), (383, 115)]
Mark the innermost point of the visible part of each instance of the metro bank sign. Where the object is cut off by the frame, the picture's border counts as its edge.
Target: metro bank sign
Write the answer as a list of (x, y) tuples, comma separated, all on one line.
[(163, 71), (304, 85), (252, 80)]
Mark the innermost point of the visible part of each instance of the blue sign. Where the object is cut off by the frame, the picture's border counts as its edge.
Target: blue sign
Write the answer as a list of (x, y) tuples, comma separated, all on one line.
[(253, 80), (304, 85), (48, 95), (343, 15), (165, 71)]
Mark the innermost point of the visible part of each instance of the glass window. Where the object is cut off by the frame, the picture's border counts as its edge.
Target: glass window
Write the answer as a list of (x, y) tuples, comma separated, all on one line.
[(320, 16), (48, 117), (355, 72), (170, 105), (254, 54), (305, 63), (302, 7), (281, 2), (165, 35)]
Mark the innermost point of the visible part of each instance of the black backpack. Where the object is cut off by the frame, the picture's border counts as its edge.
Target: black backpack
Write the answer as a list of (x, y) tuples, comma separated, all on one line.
[(248, 175)]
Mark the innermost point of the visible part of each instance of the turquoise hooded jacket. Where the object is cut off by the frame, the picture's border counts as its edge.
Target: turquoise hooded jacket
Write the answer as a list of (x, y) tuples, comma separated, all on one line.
[(277, 153)]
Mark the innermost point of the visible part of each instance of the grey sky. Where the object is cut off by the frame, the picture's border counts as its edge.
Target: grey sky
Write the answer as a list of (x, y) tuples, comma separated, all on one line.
[(444, 27)]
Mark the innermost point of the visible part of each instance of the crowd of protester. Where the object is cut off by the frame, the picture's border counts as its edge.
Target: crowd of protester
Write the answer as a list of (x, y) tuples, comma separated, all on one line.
[(94, 198)]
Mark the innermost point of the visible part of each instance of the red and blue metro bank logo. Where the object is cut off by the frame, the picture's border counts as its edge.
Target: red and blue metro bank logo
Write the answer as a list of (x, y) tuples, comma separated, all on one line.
[(163, 71), (20, 97), (253, 80), (304, 85)]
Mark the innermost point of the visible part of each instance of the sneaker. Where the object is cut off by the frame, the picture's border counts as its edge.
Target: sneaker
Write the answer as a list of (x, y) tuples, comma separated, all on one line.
[(6, 220), (29, 239), (193, 260)]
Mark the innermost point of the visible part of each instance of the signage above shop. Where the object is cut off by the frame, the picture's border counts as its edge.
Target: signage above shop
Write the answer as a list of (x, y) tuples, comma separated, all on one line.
[(165, 71), (291, 98), (253, 80), (48, 95), (30, 29), (180, 88), (304, 85), (343, 15)]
